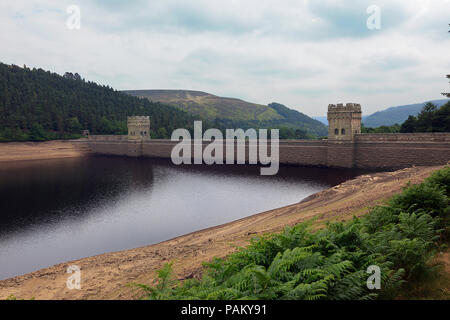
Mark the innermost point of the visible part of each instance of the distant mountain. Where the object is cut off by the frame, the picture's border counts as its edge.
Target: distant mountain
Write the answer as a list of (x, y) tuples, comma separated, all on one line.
[(397, 114), (233, 112), (324, 120)]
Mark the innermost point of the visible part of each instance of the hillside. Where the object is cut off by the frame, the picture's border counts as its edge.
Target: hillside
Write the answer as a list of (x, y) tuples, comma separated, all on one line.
[(40, 105), (231, 112), (397, 114), (295, 119), (208, 106)]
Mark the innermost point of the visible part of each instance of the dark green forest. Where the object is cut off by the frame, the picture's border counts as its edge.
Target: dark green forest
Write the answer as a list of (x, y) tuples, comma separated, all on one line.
[(430, 119), (40, 105), (382, 129)]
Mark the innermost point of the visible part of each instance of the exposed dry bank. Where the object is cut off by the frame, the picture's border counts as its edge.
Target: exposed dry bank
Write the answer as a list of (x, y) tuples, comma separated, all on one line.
[(106, 276), (18, 151)]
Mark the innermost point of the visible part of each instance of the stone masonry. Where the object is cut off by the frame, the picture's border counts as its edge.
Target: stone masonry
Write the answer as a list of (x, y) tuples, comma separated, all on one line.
[(344, 122), (346, 147), (139, 128)]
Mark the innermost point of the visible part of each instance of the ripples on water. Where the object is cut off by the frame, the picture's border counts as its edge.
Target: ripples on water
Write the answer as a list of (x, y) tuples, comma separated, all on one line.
[(58, 210)]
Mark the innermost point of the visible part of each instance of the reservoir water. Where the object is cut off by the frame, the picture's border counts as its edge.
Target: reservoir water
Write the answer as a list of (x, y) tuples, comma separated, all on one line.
[(58, 210)]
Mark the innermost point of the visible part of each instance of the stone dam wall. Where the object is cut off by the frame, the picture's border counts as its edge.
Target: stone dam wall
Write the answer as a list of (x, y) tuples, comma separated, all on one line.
[(366, 151), (401, 150)]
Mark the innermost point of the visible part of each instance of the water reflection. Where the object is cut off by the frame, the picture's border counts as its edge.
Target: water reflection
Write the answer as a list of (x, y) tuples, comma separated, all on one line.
[(58, 210)]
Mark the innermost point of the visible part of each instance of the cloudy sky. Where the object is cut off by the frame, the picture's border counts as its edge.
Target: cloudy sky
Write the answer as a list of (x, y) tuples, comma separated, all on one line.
[(301, 53)]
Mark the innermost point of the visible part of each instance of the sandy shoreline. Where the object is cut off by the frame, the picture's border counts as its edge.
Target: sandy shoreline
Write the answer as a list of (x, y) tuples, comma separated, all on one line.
[(106, 276), (23, 151)]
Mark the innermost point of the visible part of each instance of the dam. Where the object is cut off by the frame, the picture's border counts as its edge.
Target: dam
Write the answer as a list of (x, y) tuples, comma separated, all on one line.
[(346, 146)]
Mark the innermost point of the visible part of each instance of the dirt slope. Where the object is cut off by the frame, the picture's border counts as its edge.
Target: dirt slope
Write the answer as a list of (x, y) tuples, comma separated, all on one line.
[(105, 276), (18, 151)]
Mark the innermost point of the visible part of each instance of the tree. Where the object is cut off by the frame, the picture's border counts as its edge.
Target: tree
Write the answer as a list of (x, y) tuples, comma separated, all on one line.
[(382, 129), (425, 117), (37, 133), (409, 125), (162, 133), (301, 134), (73, 125), (430, 119), (441, 119), (106, 126), (447, 94)]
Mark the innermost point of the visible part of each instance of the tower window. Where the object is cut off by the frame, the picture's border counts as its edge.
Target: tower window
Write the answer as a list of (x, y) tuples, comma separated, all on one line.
[(336, 131), (343, 131)]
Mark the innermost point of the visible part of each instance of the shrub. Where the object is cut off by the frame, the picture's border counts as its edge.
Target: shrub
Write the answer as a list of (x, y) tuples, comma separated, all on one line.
[(427, 197)]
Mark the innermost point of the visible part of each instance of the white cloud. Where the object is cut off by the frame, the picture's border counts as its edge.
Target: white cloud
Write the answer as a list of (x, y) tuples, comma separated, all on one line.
[(305, 54)]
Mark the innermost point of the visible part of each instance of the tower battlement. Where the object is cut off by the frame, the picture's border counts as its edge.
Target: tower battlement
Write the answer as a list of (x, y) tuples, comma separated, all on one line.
[(344, 121), (355, 107)]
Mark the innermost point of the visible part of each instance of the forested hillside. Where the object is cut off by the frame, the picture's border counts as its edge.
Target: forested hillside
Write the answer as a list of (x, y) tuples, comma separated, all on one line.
[(40, 105), (430, 119), (296, 119), (397, 115)]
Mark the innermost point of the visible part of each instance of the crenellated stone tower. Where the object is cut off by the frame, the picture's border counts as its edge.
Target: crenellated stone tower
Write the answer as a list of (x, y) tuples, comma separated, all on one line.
[(139, 128), (344, 121), (138, 132)]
